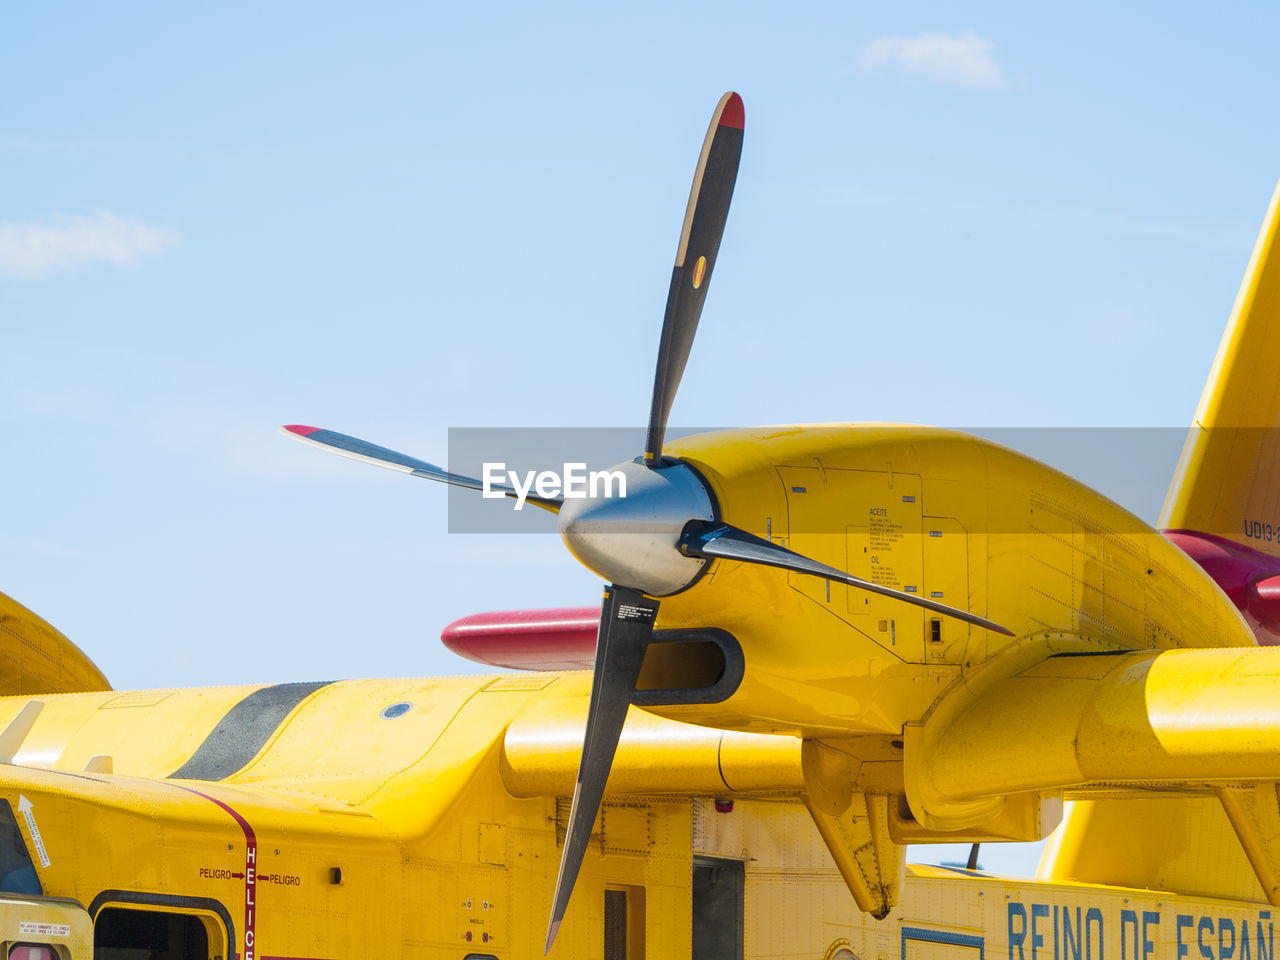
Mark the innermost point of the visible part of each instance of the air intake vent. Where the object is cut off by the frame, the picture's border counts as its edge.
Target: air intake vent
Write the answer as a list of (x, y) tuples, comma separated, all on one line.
[(689, 666)]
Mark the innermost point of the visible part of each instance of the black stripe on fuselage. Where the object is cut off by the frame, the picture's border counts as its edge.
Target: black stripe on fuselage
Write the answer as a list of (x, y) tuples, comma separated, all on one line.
[(244, 731)]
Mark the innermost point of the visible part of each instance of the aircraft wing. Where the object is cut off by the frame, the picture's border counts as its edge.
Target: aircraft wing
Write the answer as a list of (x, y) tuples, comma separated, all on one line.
[(1199, 720)]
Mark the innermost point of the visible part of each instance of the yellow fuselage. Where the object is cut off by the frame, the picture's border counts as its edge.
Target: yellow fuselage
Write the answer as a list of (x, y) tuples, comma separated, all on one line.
[(353, 834)]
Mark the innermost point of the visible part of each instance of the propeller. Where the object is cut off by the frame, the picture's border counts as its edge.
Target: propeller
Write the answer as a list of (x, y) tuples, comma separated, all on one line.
[(619, 650), (658, 539), (367, 452)]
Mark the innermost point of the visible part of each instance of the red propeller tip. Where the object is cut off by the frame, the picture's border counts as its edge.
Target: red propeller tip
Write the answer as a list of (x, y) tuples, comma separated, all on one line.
[(300, 429), (734, 114)]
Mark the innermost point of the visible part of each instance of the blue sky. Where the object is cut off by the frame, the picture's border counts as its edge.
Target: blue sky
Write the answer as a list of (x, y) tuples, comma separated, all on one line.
[(404, 218)]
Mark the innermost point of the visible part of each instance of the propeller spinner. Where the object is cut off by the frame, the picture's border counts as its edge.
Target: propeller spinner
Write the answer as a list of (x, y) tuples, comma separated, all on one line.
[(658, 539)]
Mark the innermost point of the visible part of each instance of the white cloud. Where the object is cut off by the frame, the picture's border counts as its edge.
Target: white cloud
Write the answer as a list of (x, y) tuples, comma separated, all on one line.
[(962, 59), (35, 248)]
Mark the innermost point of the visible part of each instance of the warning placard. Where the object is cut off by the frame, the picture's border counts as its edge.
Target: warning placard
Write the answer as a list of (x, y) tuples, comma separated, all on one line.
[(33, 928)]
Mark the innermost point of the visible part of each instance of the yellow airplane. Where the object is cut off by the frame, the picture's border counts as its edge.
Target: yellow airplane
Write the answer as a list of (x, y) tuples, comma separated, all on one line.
[(818, 645)]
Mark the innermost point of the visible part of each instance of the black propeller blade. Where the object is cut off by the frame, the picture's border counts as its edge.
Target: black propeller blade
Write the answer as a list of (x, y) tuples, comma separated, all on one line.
[(358, 449), (626, 623), (695, 259), (726, 542)]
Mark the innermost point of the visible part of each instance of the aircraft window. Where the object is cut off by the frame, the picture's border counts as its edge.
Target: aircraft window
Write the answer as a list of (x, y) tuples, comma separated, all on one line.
[(26, 951), (396, 710), (120, 934), (17, 875)]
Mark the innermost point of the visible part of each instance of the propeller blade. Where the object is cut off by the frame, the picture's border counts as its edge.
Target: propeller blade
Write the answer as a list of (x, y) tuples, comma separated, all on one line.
[(700, 234), (726, 542), (362, 450), (626, 623)]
